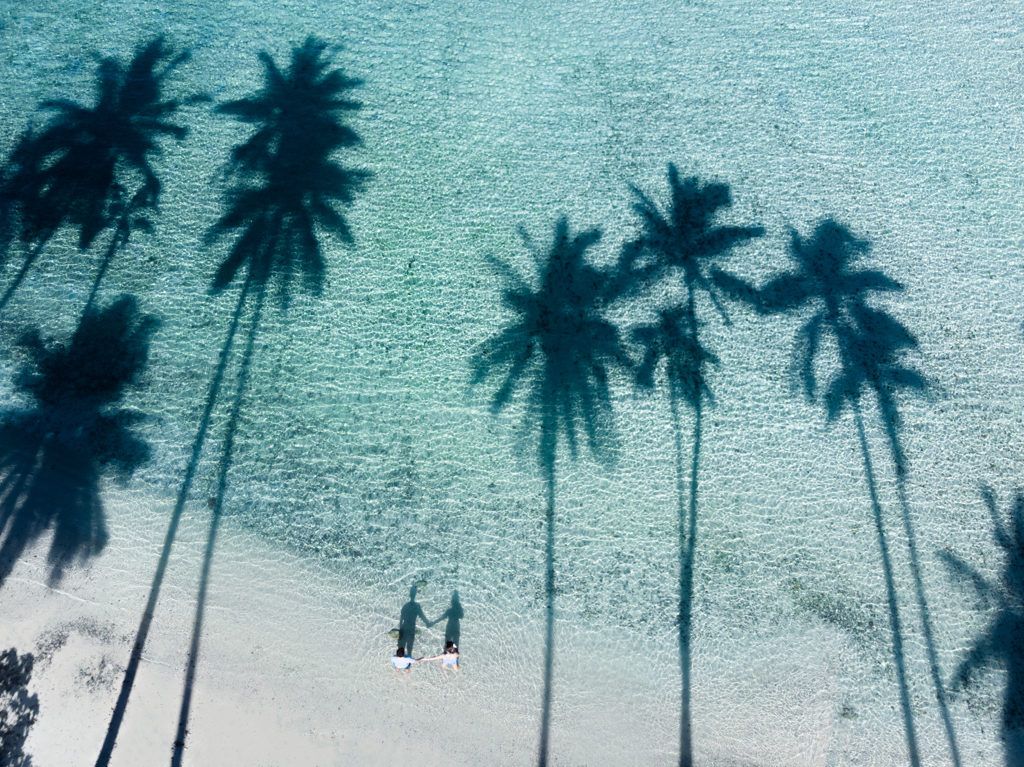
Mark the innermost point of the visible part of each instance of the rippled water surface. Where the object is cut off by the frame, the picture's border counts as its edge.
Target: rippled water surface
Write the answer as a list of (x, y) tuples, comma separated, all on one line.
[(363, 447)]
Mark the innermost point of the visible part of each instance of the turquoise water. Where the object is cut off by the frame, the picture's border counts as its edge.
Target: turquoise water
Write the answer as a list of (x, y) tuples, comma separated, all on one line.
[(362, 446)]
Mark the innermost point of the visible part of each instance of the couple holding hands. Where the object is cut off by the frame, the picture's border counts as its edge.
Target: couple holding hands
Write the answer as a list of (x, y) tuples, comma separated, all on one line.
[(411, 612)]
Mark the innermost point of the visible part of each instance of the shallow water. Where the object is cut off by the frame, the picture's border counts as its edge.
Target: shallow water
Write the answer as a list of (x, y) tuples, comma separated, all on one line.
[(363, 447)]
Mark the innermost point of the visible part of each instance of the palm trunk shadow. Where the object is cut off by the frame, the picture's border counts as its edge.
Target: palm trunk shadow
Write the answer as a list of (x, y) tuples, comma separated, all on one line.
[(11, 488), (888, 417), (687, 550), (30, 259), (108, 257), (18, 477), (549, 613), (899, 658), (131, 670), (211, 540), (16, 529)]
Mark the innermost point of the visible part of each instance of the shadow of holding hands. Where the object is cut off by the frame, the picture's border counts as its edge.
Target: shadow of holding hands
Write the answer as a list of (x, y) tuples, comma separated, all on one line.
[(412, 612)]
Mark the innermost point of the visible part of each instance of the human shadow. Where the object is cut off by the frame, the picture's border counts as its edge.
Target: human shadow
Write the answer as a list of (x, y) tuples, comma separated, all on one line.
[(827, 282), (19, 709), (411, 612), (453, 621), (1002, 643), (54, 453), (684, 242), (90, 167), (560, 347), (285, 191)]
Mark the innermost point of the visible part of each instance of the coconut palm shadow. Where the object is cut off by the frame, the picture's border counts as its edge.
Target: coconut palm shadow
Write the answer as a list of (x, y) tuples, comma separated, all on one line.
[(673, 342), (54, 453), (287, 184), (1003, 641), (285, 188), (871, 346), (19, 709), (685, 242), (90, 167), (559, 347)]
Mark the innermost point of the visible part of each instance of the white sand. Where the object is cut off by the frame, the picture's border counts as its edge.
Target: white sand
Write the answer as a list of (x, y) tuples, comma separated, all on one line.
[(294, 671), (282, 680)]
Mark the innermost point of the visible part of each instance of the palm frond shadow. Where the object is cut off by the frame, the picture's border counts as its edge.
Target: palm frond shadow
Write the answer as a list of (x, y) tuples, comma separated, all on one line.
[(285, 191), (19, 708), (1002, 643), (686, 243), (828, 283), (287, 186), (54, 453), (684, 240), (562, 350), (90, 167)]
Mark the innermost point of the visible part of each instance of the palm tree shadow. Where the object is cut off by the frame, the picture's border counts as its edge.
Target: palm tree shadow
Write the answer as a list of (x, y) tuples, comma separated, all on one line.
[(285, 190), (54, 453), (19, 709), (871, 346), (287, 187), (562, 349), (90, 167), (1003, 641), (684, 241), (674, 342)]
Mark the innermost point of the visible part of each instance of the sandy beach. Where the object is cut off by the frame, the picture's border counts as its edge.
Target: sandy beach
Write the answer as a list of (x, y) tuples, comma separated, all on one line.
[(295, 667), (291, 673), (295, 670)]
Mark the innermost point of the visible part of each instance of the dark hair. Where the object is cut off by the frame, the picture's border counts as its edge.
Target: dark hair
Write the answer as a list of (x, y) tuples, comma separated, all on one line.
[(450, 646), (400, 652)]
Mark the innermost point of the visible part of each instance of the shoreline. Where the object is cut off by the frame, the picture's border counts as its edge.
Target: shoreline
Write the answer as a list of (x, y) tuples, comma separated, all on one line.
[(293, 679), (294, 670)]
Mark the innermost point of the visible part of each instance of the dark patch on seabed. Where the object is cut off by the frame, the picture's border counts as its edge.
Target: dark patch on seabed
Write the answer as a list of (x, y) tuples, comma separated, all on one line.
[(19, 708)]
